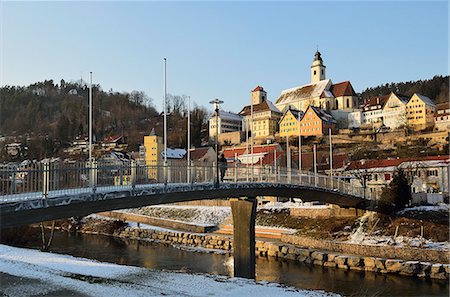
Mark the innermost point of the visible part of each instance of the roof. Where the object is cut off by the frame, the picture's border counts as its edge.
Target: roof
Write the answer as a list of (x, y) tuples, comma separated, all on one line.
[(378, 100), (425, 99), (111, 139), (266, 105), (339, 160), (294, 112), (258, 88), (266, 152), (198, 153), (443, 106), (177, 153), (342, 89), (403, 98), (228, 115), (311, 90), (326, 94), (369, 164), (322, 114)]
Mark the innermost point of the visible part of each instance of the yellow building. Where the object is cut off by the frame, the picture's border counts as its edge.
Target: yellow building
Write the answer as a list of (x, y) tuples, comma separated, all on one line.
[(289, 123), (420, 112), (153, 148), (265, 115)]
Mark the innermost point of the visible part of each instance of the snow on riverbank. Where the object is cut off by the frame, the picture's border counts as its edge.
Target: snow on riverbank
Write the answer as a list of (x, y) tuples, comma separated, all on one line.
[(440, 207), (197, 215), (54, 272), (287, 205), (400, 241)]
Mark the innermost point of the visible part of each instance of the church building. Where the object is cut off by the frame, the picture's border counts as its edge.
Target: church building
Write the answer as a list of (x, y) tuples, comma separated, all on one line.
[(320, 92)]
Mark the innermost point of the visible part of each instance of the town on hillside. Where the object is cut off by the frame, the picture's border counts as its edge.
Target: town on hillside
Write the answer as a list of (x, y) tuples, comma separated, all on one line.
[(321, 127)]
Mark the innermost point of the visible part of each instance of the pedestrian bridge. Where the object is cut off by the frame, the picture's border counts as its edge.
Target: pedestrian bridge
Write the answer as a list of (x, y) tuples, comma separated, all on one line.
[(49, 191)]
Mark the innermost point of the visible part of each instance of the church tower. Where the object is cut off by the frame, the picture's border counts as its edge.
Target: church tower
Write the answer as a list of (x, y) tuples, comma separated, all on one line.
[(317, 68)]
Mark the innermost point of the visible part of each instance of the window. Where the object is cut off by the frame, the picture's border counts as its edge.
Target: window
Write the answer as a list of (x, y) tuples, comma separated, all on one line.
[(322, 71), (387, 176), (432, 172), (348, 102)]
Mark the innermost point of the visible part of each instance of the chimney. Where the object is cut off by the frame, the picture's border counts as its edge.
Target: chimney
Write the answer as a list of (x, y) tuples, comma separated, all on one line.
[(378, 100)]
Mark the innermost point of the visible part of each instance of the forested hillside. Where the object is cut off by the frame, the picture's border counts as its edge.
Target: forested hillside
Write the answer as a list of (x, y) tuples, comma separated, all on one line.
[(59, 114), (436, 89)]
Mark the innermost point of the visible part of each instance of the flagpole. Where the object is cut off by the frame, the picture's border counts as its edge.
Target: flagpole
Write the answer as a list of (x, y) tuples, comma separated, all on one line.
[(189, 140)]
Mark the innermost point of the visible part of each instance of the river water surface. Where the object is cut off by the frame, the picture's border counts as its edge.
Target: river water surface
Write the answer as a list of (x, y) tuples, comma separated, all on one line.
[(304, 276)]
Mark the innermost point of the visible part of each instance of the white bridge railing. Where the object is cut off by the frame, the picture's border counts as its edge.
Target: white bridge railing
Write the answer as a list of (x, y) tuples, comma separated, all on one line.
[(46, 179)]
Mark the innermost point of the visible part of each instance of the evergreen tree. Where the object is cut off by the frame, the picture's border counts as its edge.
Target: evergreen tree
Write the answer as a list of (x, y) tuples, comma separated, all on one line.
[(399, 191)]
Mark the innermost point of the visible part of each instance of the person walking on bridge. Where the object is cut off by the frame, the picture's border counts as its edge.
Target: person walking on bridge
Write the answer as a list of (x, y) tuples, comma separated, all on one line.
[(223, 166)]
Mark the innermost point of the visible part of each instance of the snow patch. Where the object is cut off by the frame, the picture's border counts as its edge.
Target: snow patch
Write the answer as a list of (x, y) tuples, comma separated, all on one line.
[(62, 272)]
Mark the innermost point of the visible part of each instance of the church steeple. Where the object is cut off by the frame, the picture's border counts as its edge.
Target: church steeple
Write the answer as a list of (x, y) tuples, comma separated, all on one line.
[(317, 68)]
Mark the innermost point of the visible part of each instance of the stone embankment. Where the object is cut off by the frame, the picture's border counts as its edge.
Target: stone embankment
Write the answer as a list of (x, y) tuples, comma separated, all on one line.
[(295, 253)]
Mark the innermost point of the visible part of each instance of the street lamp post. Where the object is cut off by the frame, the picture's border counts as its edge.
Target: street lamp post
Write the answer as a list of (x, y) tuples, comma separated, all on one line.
[(216, 103), (299, 146)]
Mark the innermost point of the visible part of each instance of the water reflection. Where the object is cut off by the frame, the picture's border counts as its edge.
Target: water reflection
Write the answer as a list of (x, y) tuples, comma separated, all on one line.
[(165, 257)]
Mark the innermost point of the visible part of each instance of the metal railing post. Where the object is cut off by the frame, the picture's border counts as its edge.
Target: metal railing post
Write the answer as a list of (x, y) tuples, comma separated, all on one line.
[(45, 180), (94, 176), (14, 186), (133, 174)]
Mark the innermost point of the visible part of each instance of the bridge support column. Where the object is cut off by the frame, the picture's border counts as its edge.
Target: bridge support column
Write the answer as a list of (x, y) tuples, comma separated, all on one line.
[(244, 213)]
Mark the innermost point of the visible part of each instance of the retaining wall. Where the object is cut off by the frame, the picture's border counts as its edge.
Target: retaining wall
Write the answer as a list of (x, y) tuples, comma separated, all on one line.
[(165, 223), (288, 251), (404, 253), (331, 212)]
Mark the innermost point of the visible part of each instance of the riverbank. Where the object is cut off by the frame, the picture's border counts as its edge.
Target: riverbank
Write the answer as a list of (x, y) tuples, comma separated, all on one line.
[(214, 243), (26, 272)]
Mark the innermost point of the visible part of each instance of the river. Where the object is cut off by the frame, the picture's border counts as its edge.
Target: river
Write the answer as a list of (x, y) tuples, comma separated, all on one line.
[(304, 276)]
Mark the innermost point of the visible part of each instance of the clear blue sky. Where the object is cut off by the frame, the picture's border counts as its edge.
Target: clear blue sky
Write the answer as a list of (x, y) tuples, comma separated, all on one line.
[(222, 50)]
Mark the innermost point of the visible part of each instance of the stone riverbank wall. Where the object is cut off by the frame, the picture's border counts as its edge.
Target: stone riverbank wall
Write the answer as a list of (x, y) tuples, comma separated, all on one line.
[(405, 253), (289, 251)]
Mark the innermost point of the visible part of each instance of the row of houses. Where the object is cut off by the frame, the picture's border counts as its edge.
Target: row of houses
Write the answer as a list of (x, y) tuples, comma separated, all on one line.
[(314, 108), (394, 111)]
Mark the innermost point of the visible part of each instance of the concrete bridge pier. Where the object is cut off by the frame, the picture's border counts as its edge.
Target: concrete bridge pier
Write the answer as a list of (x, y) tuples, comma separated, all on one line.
[(244, 213)]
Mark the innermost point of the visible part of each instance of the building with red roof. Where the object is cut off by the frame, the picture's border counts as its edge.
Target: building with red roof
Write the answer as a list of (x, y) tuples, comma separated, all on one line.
[(426, 175)]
